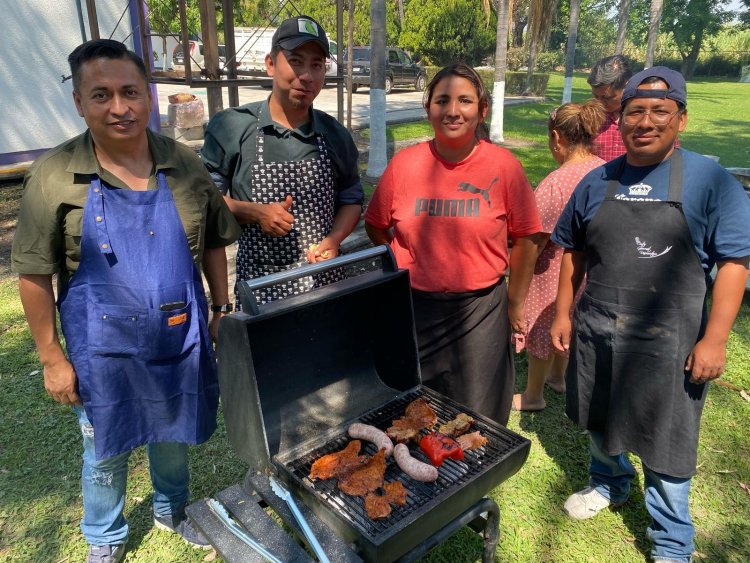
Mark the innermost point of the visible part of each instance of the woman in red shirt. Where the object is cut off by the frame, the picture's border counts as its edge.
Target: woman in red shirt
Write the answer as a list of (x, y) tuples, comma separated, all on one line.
[(448, 208)]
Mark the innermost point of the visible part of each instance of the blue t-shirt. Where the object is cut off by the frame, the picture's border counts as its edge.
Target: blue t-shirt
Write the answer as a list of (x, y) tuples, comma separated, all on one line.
[(714, 203)]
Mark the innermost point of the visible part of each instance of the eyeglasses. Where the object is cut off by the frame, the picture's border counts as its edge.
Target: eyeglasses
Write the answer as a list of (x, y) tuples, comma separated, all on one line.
[(657, 116)]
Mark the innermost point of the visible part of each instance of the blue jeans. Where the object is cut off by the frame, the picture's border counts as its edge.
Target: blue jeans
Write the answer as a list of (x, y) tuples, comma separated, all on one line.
[(104, 484), (671, 529)]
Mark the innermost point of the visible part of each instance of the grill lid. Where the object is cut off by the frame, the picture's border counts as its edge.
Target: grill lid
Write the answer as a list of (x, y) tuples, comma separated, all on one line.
[(306, 364)]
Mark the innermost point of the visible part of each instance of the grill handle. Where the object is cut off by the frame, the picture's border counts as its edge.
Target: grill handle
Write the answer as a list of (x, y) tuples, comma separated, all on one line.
[(246, 288)]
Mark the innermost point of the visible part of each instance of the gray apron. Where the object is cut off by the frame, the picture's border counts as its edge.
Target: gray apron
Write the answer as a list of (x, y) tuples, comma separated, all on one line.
[(310, 183), (640, 316)]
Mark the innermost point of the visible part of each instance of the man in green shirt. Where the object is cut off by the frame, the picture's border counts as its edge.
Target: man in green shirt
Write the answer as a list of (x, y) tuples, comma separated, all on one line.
[(124, 217), (288, 171)]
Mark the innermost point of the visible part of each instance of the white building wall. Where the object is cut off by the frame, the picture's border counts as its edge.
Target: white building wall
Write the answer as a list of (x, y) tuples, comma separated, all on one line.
[(36, 107)]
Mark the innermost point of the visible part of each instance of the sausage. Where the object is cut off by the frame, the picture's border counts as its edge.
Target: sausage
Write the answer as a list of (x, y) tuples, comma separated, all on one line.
[(417, 470), (381, 440)]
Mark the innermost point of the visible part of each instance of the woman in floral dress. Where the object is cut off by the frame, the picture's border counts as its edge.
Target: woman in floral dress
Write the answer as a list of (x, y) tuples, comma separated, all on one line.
[(572, 129)]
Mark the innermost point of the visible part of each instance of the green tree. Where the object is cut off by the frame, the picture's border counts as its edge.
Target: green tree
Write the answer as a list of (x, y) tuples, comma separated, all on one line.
[(446, 31), (324, 11), (691, 22)]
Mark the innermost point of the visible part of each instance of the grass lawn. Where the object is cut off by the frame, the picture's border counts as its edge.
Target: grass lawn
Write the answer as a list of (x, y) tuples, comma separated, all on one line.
[(40, 502)]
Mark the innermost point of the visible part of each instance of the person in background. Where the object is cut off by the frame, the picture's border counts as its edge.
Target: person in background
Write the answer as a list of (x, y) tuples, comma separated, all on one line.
[(448, 208), (124, 217), (289, 172), (572, 128), (646, 229), (607, 79)]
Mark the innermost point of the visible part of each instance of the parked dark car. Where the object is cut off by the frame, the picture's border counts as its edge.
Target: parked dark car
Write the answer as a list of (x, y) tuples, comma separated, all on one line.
[(400, 70)]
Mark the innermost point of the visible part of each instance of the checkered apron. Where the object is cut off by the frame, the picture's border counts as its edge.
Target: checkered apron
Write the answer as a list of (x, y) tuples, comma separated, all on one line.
[(310, 183)]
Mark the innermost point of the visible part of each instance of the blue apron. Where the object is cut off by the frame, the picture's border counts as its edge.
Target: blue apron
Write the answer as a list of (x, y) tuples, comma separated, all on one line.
[(134, 316)]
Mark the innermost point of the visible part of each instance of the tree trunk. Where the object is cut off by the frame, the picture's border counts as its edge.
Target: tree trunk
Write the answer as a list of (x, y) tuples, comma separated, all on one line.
[(657, 8), (518, 26), (688, 63), (570, 54), (401, 12), (349, 63), (378, 158), (498, 88), (622, 26)]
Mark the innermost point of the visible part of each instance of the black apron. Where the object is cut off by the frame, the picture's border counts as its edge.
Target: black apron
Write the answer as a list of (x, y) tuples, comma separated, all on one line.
[(465, 349), (640, 316), (310, 183)]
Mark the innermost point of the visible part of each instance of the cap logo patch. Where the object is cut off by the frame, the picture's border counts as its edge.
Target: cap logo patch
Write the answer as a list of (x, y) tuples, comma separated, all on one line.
[(307, 26), (650, 93)]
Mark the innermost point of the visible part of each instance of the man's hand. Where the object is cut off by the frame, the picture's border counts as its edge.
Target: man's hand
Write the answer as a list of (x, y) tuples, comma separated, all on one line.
[(560, 333), (60, 382), (324, 250), (275, 219), (706, 361)]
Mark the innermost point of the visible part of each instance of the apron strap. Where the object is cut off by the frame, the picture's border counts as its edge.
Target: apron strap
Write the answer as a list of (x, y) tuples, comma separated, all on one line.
[(100, 220), (675, 177)]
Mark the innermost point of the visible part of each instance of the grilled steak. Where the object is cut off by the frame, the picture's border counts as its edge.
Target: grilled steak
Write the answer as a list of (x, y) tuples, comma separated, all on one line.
[(338, 463), (417, 415)]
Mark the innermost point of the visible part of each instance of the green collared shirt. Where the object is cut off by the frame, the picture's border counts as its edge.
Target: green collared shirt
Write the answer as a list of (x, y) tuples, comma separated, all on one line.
[(48, 234), (230, 149)]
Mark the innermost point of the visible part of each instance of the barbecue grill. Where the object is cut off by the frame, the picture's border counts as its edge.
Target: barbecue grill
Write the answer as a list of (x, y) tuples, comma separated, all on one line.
[(295, 373)]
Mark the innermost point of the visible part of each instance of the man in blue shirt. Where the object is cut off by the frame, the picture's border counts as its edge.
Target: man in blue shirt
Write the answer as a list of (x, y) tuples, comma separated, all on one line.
[(646, 228)]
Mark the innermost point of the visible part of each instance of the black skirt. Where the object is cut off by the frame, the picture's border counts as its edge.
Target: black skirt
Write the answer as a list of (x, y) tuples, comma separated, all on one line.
[(465, 348)]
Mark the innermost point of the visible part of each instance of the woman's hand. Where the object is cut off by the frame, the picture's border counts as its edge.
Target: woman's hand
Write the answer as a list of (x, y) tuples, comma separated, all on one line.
[(324, 250), (517, 317)]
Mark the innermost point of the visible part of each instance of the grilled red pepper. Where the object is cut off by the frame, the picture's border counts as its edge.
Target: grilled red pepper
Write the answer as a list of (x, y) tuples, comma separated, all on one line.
[(440, 447)]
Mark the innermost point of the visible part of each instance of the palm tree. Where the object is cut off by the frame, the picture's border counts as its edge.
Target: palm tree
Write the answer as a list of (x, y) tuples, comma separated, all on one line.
[(575, 11), (622, 26), (377, 158), (541, 17), (657, 8), (498, 88)]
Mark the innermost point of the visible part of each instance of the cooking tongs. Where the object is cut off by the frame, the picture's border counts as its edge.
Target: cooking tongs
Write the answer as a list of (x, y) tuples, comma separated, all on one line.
[(285, 495)]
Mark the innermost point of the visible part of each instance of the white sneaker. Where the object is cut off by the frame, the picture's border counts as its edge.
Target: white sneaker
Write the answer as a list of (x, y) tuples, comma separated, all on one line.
[(586, 504)]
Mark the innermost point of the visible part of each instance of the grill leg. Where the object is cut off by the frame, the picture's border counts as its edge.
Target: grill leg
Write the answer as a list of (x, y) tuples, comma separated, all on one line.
[(491, 531)]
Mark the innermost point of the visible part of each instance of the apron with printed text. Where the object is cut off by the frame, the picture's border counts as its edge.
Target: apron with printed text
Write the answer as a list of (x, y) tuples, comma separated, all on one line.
[(641, 314), (310, 183), (134, 316)]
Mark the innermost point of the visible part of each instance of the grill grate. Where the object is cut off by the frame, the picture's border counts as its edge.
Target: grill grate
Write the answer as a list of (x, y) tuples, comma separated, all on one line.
[(422, 496)]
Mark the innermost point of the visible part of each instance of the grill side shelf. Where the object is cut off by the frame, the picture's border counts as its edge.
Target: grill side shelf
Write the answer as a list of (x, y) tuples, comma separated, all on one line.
[(334, 546), (245, 511)]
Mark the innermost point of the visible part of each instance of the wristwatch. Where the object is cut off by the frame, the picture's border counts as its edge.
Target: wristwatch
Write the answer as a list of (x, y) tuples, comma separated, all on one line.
[(226, 308)]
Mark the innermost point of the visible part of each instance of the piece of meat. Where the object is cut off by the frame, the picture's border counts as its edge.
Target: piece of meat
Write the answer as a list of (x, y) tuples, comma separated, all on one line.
[(457, 426), (439, 448), (417, 470), (372, 434), (365, 478), (379, 506), (471, 441), (417, 415), (338, 463)]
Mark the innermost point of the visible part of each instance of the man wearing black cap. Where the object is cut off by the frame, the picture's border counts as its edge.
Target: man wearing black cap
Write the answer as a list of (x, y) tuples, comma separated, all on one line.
[(288, 171), (646, 229)]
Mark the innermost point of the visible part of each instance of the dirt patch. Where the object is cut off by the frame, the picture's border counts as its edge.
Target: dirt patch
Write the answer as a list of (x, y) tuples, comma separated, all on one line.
[(10, 200)]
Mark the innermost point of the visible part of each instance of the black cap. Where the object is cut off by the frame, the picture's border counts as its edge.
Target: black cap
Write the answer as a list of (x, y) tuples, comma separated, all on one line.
[(677, 90), (297, 31)]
